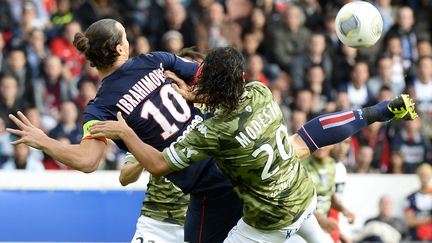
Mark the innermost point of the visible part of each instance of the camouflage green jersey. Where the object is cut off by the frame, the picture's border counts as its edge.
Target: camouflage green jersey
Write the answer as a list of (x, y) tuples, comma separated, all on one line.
[(323, 176), (164, 201), (252, 148)]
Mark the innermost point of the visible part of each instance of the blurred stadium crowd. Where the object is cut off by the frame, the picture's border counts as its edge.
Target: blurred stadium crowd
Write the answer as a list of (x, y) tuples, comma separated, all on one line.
[(289, 45)]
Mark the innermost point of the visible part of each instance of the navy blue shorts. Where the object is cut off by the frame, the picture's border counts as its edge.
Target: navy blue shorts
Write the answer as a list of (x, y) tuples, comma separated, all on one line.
[(211, 215)]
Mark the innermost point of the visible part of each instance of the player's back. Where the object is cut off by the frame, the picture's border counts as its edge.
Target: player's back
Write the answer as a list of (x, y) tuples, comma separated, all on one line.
[(252, 148)]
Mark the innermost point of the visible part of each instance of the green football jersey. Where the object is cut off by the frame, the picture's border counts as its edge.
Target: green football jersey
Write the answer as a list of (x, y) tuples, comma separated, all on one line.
[(323, 176), (164, 201), (252, 148)]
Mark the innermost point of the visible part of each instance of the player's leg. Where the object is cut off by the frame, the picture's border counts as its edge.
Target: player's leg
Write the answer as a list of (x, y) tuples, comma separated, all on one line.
[(244, 233), (211, 215), (154, 231), (335, 127), (312, 232)]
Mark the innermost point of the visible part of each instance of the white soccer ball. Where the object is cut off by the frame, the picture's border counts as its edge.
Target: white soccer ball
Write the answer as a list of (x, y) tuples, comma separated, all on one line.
[(359, 24)]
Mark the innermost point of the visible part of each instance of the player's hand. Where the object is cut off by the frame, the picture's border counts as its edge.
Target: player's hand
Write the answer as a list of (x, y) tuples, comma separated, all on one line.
[(28, 133), (329, 224), (110, 129), (182, 88), (349, 215)]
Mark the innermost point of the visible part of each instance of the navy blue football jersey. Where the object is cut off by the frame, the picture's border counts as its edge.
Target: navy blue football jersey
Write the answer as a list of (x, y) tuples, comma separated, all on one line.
[(155, 111)]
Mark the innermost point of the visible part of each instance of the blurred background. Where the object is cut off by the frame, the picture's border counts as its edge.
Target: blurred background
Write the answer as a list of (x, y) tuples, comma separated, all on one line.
[(289, 45)]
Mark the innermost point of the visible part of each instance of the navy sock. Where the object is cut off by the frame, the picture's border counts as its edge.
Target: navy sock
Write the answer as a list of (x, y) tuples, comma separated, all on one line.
[(335, 127), (332, 128)]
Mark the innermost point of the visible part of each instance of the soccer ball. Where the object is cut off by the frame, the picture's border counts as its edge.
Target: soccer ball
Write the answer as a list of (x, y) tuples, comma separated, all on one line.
[(359, 24)]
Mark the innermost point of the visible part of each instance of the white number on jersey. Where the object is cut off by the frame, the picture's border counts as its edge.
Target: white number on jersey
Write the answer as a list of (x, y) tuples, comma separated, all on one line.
[(181, 116), (282, 130)]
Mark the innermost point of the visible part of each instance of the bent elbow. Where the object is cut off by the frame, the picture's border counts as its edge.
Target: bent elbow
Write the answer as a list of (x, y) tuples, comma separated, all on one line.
[(89, 167), (123, 181)]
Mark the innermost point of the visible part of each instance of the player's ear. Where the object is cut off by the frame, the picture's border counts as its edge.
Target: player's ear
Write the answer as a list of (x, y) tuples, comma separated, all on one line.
[(120, 50)]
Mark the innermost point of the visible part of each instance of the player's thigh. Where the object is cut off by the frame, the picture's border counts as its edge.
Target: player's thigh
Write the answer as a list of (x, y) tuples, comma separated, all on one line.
[(154, 231), (244, 233), (312, 232), (212, 215)]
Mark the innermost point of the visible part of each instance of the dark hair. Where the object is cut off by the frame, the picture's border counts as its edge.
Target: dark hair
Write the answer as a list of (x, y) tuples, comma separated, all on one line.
[(99, 42), (221, 80), (191, 53)]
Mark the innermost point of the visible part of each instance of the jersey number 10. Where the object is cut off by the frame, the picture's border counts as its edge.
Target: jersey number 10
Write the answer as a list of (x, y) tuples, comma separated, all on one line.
[(149, 109)]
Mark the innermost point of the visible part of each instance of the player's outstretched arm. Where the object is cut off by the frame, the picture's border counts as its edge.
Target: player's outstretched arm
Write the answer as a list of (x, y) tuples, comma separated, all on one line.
[(130, 171), (84, 157), (335, 127), (150, 158)]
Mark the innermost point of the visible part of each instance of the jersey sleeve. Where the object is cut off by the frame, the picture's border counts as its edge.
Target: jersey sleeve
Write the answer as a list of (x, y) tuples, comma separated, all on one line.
[(200, 143), (185, 69), (91, 116)]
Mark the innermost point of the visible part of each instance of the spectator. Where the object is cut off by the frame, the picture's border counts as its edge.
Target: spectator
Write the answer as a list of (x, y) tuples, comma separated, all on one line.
[(313, 15), (141, 46), (251, 43), (282, 100), (385, 215), (303, 102), (418, 213), (421, 90), (63, 47), (315, 82), (289, 39), (67, 125), (198, 10), (217, 30), (424, 47), (9, 101), (422, 85), (343, 152), (364, 160), (87, 90), (342, 101), (376, 137), (22, 160), (410, 147), (61, 17), (7, 22), (405, 30), (172, 41), (253, 35), (255, 68), (175, 19), (358, 93), (298, 119), (16, 66), (344, 60), (36, 51), (400, 68), (385, 78), (314, 55), (332, 41), (28, 20), (93, 10), (53, 88)]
